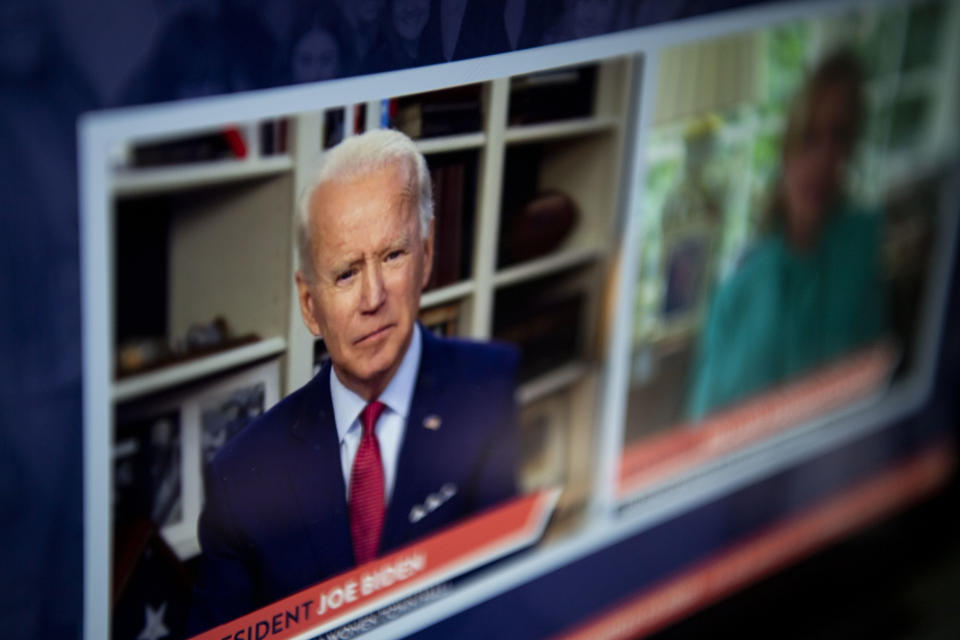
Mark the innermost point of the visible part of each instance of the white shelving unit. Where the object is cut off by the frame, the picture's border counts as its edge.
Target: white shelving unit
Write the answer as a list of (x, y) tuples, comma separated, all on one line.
[(555, 381), (231, 247), (551, 131), (176, 375), (549, 264), (447, 144), (152, 181), (446, 294)]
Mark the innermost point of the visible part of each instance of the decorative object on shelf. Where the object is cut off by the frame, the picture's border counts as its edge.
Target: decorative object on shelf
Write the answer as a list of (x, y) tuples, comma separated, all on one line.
[(441, 320), (544, 425), (144, 354), (137, 355), (558, 94), (539, 227), (207, 336)]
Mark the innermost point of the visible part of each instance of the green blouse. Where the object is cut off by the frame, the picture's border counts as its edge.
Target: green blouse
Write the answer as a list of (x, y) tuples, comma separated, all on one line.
[(783, 313)]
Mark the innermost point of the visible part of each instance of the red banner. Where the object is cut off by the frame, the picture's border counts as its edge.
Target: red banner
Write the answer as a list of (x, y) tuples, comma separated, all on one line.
[(769, 551), (689, 445), (334, 602)]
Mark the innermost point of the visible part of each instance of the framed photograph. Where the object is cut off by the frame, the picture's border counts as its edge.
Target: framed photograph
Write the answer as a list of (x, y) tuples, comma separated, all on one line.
[(148, 466), (224, 414), (162, 445), (544, 426), (688, 256)]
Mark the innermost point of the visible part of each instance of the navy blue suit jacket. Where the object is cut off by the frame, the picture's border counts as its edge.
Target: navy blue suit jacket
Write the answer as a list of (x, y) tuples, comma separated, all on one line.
[(275, 518)]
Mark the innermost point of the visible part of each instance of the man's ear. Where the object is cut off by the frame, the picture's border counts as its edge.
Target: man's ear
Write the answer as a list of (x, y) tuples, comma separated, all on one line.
[(308, 304), (427, 256)]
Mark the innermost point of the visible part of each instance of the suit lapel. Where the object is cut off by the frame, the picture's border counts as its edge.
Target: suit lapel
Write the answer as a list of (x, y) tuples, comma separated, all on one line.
[(414, 479), (316, 476)]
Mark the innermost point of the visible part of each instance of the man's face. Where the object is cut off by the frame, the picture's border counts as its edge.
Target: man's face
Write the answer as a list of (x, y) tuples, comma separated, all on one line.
[(371, 263)]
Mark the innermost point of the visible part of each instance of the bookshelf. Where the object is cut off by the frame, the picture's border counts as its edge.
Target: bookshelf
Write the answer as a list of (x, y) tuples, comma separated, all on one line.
[(445, 144), (138, 182), (559, 130), (176, 375), (228, 243), (546, 265)]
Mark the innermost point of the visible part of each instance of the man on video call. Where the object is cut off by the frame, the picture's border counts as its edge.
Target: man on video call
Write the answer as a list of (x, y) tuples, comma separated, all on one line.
[(400, 434)]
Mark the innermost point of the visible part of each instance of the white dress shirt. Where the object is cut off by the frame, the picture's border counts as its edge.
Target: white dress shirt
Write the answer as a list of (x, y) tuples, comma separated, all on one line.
[(347, 407)]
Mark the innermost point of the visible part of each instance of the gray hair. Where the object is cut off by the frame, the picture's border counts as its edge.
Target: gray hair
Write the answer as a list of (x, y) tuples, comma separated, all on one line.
[(357, 156)]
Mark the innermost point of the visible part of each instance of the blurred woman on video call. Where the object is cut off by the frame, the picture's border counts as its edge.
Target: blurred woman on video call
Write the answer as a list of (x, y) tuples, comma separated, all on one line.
[(811, 288)]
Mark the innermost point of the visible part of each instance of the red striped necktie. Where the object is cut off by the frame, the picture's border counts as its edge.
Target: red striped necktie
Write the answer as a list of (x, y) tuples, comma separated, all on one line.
[(367, 488)]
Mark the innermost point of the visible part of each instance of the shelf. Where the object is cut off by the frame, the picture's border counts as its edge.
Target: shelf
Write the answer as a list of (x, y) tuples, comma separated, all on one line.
[(546, 265), (446, 294), (561, 129), (174, 375), (444, 144), (551, 382), (155, 180)]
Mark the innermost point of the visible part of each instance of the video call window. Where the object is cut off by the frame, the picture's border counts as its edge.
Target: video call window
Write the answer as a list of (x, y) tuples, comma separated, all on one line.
[(785, 242), (524, 206)]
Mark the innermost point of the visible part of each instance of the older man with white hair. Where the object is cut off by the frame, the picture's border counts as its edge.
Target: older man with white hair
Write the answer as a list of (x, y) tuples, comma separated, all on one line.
[(400, 434)]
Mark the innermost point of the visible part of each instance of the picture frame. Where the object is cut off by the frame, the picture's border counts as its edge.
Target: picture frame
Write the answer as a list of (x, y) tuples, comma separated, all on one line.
[(544, 428), (686, 268), (175, 435)]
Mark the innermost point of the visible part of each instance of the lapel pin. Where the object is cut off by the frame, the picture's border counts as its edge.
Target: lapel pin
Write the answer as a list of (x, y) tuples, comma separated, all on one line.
[(432, 422)]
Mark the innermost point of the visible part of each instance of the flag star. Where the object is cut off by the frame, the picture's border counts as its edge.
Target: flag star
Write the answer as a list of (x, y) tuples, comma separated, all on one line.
[(154, 628)]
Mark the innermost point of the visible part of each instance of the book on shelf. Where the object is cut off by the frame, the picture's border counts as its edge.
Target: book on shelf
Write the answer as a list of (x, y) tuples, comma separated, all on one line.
[(439, 113), (334, 122), (228, 143), (273, 136), (453, 177), (448, 224), (559, 94), (534, 221)]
